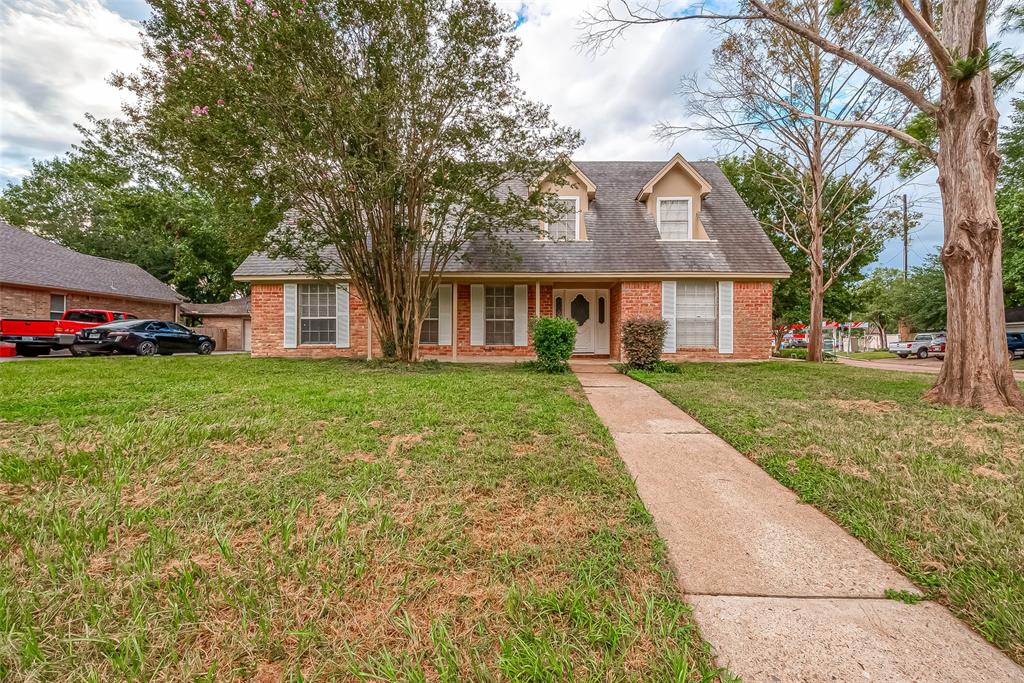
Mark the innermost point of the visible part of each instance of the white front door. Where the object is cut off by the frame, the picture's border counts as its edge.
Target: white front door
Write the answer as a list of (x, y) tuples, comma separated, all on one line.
[(579, 306)]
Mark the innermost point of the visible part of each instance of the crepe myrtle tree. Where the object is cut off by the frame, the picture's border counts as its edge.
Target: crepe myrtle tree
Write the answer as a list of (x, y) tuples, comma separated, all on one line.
[(391, 133), (954, 128)]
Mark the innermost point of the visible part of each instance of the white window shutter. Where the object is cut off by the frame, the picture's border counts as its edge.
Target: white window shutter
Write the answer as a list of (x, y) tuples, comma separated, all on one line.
[(522, 303), (291, 305), (668, 313), (725, 316), (476, 315), (341, 306), (444, 315)]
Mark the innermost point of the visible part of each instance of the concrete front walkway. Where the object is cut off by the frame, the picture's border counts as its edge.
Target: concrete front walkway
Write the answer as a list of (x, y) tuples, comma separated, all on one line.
[(780, 591)]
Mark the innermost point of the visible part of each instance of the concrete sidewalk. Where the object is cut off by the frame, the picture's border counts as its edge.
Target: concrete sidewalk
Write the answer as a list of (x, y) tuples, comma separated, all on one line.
[(929, 366), (780, 591)]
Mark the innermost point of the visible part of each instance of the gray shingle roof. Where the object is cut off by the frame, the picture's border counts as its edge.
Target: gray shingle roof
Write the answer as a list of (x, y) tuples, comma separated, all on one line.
[(622, 237), (234, 308), (27, 259)]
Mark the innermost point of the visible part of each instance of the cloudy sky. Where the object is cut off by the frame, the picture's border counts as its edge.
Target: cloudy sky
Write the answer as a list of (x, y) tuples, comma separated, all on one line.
[(55, 56)]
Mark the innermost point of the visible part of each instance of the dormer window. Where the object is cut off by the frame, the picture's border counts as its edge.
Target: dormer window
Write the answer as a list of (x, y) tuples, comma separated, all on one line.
[(567, 227), (674, 218)]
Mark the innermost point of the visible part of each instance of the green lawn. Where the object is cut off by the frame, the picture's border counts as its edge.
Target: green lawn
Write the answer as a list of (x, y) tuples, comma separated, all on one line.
[(938, 492), (202, 518), (868, 355), (1017, 364)]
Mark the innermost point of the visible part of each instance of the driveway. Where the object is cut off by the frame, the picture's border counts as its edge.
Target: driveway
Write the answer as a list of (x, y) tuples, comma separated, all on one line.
[(926, 365), (67, 354), (780, 591)]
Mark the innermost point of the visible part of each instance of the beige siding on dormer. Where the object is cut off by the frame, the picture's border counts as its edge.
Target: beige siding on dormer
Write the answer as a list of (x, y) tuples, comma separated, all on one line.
[(678, 183), (573, 188)]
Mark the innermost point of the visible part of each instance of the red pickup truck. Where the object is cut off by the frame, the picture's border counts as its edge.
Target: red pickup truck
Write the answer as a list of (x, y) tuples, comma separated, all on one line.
[(39, 337)]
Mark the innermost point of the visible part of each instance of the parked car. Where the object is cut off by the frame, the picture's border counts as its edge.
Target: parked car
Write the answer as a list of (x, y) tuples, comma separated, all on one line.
[(792, 340), (938, 349), (39, 337), (918, 346), (1015, 343), (143, 338)]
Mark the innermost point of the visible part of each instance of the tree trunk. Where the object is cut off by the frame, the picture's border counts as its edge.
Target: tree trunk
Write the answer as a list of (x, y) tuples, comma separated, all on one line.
[(815, 341), (976, 371)]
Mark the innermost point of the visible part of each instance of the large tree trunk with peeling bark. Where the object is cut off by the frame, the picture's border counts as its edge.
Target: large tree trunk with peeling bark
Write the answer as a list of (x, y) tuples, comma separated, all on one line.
[(976, 371)]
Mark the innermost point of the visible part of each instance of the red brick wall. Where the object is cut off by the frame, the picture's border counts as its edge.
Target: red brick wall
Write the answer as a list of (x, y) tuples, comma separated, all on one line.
[(267, 310), (751, 316), (463, 323), (752, 319), (27, 302)]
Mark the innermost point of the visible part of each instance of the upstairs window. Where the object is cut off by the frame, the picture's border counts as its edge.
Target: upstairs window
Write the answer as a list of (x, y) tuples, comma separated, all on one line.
[(566, 228), (674, 218)]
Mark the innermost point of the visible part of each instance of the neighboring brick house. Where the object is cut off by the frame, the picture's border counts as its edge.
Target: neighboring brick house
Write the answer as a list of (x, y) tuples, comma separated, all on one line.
[(671, 240), (231, 316), (42, 279)]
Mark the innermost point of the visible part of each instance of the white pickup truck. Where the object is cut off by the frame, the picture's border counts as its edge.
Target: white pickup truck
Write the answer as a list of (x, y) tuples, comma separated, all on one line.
[(918, 346)]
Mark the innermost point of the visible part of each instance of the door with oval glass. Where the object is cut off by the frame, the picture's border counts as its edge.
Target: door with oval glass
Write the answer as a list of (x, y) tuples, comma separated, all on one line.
[(578, 305)]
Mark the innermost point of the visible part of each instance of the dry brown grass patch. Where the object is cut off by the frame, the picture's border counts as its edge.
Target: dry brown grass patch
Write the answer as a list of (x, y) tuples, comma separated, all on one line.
[(866, 406)]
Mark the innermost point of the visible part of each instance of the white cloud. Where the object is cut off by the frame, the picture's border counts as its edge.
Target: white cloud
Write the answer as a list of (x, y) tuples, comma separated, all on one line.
[(55, 56), (615, 98)]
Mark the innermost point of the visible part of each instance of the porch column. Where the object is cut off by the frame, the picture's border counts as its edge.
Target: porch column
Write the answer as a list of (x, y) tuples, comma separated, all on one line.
[(455, 321)]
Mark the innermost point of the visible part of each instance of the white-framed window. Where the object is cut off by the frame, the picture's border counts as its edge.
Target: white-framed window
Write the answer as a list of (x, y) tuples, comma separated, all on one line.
[(318, 315), (567, 227), (696, 314), (499, 315), (431, 321), (58, 304), (674, 218)]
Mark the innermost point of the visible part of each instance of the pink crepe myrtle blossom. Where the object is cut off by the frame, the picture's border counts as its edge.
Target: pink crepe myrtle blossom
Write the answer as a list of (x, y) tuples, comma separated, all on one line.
[(200, 111), (275, 13), (299, 11), (186, 53), (220, 102), (248, 67)]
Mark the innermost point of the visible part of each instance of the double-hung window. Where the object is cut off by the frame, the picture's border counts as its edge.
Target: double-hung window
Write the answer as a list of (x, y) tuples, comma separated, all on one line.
[(58, 304), (566, 227), (318, 316), (696, 314), (431, 321), (499, 315), (674, 218)]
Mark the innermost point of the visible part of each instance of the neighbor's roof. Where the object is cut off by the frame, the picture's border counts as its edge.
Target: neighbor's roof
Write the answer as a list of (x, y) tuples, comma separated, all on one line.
[(622, 237), (30, 260), (1015, 314), (233, 308)]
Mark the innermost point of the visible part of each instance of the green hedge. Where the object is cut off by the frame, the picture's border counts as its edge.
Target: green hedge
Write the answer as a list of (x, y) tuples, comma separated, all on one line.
[(641, 342), (553, 341)]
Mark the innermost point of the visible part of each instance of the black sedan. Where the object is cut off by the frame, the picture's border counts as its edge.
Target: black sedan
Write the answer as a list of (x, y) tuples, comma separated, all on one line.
[(143, 338)]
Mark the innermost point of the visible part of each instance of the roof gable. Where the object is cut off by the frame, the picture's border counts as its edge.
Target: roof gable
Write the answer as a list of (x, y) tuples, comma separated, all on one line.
[(30, 260), (580, 175), (676, 160)]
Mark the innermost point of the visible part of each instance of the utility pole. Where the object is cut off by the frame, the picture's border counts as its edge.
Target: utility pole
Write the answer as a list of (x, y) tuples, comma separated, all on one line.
[(906, 237)]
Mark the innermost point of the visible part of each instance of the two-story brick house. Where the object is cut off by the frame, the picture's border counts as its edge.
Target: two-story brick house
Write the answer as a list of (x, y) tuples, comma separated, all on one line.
[(671, 240)]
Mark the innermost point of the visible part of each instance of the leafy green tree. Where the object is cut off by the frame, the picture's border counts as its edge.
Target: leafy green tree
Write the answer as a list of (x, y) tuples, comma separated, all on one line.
[(948, 80), (885, 297), (767, 186), (1010, 202), (108, 197), (393, 131)]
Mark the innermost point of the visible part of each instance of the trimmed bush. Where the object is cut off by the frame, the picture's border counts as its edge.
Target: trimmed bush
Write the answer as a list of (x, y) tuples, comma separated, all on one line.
[(553, 341), (641, 342), (800, 354)]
